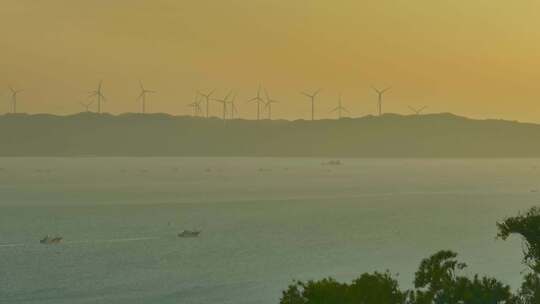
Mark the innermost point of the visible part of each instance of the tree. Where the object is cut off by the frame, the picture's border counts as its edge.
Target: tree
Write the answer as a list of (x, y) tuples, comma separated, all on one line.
[(529, 292), (436, 281), (528, 226), (376, 288)]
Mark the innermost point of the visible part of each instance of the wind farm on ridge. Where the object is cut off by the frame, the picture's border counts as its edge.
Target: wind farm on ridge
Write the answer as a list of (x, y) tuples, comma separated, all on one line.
[(202, 104)]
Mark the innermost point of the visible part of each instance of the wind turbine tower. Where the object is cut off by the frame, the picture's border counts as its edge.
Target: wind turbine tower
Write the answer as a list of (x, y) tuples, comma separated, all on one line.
[(14, 94), (224, 102), (380, 94), (258, 100), (233, 108), (99, 96), (312, 98), (268, 105), (196, 108), (207, 99), (142, 96), (196, 105), (339, 109)]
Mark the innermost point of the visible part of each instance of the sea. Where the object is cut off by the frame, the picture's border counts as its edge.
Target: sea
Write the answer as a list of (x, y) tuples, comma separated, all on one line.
[(264, 223)]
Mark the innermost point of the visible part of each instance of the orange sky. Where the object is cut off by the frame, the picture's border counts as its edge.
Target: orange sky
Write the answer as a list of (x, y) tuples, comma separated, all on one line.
[(477, 58)]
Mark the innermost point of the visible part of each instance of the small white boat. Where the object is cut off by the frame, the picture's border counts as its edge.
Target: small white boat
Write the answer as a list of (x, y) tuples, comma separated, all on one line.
[(189, 233), (48, 240)]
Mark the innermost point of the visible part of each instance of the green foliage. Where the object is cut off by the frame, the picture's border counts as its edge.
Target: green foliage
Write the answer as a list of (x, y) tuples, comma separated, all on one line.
[(380, 288), (375, 288), (530, 290), (437, 270), (436, 282), (528, 226)]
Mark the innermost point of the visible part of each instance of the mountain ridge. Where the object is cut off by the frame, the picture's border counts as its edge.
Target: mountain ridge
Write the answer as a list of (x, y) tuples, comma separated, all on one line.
[(441, 135)]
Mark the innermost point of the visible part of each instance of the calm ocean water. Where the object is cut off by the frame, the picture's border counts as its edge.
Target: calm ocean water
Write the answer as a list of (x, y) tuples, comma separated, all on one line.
[(265, 222)]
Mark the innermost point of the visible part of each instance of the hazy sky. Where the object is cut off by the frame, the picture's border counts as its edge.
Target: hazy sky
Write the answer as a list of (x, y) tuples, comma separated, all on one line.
[(479, 58)]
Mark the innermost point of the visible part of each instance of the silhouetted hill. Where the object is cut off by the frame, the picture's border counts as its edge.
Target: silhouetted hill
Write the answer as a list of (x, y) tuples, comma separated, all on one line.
[(435, 135)]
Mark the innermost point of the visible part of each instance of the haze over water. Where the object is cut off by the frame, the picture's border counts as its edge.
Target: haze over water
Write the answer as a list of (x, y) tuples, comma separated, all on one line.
[(265, 222)]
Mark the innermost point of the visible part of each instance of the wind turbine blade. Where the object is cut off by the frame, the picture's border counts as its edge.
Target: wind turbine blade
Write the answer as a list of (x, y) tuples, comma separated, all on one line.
[(387, 89), (304, 93), (266, 94), (316, 92), (344, 109)]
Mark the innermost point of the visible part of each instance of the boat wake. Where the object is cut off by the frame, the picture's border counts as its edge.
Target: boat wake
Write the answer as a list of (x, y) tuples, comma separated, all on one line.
[(13, 245), (138, 239), (118, 240)]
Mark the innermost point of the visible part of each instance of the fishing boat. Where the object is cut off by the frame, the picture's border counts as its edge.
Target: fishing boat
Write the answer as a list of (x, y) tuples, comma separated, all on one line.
[(48, 240), (189, 233)]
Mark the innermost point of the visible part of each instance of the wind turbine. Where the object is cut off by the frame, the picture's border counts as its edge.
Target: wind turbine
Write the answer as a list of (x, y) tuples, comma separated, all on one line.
[(340, 108), (268, 105), (380, 94), (142, 96), (86, 106), (99, 95), (233, 108), (207, 97), (257, 99), (196, 108), (312, 97), (196, 105), (417, 111), (14, 94), (224, 102)]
